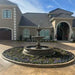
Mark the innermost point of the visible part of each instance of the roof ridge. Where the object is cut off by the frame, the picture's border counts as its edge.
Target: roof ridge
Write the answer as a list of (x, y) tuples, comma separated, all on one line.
[(54, 10)]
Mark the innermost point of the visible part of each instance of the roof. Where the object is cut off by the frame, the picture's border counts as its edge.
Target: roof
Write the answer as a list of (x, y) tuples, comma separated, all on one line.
[(64, 16), (6, 2), (59, 11), (35, 19), (25, 22), (42, 19)]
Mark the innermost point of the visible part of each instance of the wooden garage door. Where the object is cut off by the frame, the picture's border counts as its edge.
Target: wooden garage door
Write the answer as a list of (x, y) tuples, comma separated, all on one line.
[(5, 34)]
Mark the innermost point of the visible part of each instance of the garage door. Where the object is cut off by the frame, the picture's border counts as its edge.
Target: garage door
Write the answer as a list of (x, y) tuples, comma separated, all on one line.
[(5, 34)]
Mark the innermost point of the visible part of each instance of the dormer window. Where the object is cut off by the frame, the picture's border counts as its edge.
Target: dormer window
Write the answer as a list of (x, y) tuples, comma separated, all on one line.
[(7, 14)]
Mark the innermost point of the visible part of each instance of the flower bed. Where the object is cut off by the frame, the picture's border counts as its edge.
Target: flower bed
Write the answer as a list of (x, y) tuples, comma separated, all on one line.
[(60, 56)]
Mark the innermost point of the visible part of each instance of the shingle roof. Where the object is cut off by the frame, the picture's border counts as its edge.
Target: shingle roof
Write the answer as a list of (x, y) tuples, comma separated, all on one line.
[(25, 22), (6, 2), (34, 19), (64, 16), (58, 11), (42, 19)]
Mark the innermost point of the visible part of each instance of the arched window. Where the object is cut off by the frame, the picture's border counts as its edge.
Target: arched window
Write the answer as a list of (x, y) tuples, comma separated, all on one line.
[(26, 33), (45, 33)]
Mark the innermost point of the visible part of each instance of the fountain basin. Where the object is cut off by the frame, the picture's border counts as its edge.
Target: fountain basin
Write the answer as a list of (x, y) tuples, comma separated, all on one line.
[(34, 48), (43, 51)]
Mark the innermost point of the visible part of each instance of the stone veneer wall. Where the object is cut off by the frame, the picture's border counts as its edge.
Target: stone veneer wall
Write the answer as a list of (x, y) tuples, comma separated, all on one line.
[(7, 23), (12, 23)]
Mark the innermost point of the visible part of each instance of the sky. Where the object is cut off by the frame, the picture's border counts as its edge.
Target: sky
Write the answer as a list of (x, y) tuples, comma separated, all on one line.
[(44, 6)]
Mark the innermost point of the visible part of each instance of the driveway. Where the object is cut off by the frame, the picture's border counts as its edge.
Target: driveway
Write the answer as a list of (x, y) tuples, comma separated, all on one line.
[(8, 68)]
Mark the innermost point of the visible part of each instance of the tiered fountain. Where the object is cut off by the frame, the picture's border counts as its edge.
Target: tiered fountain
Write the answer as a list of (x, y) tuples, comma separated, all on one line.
[(39, 56), (38, 50)]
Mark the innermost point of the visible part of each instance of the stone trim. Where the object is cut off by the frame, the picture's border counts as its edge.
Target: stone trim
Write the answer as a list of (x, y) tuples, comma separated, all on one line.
[(60, 18), (70, 32), (14, 23)]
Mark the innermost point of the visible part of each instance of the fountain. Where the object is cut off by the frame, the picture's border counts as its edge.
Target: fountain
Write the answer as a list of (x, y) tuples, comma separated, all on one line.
[(38, 50), (38, 55)]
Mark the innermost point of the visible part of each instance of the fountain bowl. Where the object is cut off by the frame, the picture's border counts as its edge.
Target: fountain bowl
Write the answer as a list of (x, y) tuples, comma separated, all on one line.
[(43, 51)]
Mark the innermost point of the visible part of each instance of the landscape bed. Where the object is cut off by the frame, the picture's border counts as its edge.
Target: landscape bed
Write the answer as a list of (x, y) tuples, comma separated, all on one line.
[(59, 57)]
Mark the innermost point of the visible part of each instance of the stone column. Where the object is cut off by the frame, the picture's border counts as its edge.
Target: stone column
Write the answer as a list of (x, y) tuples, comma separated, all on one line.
[(55, 33), (70, 34)]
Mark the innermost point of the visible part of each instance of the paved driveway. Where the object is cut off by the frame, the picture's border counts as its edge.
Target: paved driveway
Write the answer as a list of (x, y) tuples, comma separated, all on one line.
[(7, 68)]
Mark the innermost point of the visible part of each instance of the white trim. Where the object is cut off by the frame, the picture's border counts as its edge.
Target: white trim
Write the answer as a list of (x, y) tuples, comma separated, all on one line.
[(11, 31), (14, 16), (70, 28)]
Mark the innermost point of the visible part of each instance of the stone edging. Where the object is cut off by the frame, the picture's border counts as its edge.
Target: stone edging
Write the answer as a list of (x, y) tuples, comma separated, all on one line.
[(42, 65)]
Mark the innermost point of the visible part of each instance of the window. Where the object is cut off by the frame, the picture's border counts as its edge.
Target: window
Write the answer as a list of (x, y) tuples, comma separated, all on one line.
[(45, 34), (26, 33), (7, 14)]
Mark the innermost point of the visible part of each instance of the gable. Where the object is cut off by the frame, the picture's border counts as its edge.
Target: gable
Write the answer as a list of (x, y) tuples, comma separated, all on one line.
[(60, 11)]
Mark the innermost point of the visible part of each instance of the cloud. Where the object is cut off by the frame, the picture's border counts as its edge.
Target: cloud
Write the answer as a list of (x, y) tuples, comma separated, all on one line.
[(73, 13), (50, 6), (29, 6), (57, 3)]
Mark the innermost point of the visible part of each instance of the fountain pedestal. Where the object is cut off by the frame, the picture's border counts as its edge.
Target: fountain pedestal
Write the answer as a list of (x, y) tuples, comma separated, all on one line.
[(38, 38)]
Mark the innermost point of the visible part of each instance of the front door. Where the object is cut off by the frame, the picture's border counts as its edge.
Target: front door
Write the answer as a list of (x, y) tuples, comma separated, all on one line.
[(62, 31)]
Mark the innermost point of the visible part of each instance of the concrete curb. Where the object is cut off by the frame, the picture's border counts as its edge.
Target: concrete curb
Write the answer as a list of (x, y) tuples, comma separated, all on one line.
[(42, 65)]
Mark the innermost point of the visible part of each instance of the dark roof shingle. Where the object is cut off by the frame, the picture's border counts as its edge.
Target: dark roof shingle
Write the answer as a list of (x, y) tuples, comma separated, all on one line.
[(64, 16), (35, 19), (59, 11), (6, 2), (25, 22)]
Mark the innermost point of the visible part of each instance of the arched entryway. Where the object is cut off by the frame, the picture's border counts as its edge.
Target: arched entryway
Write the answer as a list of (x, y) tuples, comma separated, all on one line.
[(5, 34), (63, 31)]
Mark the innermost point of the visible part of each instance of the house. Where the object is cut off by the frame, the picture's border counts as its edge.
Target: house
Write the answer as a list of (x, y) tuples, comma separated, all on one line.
[(58, 24)]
